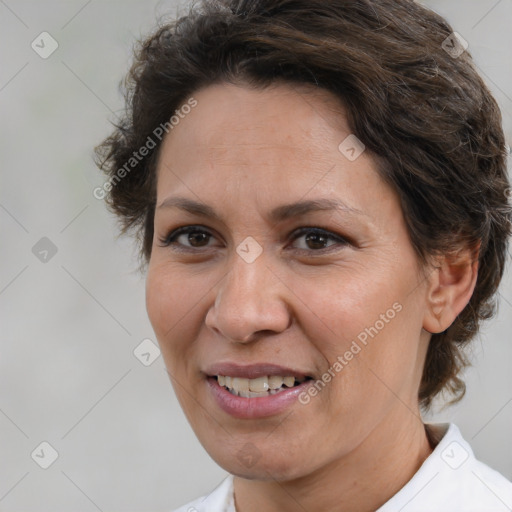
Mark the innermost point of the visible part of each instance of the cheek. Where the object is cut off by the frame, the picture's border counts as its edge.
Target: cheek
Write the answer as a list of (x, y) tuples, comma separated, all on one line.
[(369, 320), (171, 303), (161, 301), (174, 309), (342, 305)]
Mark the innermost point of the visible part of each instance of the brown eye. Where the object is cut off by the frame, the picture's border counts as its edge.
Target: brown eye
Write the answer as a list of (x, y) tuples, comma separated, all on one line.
[(198, 238), (316, 239), (187, 237)]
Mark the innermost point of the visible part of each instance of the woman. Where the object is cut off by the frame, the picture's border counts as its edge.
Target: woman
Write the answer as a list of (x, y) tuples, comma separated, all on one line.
[(320, 192)]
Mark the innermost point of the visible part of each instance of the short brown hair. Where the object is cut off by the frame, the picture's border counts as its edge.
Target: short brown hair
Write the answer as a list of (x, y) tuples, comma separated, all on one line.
[(421, 109)]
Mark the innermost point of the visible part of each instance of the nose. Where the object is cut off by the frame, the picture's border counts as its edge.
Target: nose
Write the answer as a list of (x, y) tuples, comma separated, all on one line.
[(250, 302)]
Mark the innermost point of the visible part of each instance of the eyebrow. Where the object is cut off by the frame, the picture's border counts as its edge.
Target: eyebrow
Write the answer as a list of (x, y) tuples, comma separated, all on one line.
[(279, 214)]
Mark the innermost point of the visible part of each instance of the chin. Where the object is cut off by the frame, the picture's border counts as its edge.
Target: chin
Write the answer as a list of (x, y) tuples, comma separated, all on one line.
[(281, 471), (248, 461)]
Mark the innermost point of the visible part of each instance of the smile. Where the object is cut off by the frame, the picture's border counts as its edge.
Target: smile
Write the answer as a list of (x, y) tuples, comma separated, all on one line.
[(259, 387)]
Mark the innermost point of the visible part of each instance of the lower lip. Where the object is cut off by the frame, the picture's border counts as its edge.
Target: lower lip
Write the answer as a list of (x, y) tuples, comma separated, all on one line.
[(258, 407)]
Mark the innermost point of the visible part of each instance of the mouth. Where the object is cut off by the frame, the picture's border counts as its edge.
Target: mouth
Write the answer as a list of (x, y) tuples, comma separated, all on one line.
[(257, 390), (266, 385)]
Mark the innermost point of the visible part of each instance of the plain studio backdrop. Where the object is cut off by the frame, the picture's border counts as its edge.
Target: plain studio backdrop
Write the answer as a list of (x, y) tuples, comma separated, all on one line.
[(73, 373)]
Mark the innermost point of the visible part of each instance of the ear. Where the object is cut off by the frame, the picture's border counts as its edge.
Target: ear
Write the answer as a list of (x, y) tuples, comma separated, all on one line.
[(451, 285)]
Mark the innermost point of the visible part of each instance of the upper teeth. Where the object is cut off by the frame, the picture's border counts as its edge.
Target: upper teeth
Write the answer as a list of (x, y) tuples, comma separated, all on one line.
[(261, 386)]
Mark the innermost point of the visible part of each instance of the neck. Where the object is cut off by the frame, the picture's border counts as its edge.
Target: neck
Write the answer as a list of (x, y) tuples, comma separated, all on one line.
[(360, 481)]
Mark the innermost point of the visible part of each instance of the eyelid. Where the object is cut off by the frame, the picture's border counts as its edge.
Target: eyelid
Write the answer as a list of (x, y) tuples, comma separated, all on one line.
[(294, 235), (318, 230), (183, 230)]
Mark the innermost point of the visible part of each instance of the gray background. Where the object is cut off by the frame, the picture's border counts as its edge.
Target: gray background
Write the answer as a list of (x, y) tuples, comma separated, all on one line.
[(69, 326)]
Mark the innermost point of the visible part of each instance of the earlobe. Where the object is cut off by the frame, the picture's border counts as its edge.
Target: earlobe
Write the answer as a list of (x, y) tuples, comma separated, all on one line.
[(451, 285)]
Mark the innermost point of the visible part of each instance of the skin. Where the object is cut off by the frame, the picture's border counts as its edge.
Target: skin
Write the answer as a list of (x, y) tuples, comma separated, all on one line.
[(244, 152)]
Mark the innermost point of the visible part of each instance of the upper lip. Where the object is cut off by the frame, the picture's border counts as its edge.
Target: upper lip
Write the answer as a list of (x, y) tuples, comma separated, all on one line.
[(252, 371)]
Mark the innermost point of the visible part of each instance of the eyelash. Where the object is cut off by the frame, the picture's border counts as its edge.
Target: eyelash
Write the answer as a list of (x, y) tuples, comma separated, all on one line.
[(170, 239)]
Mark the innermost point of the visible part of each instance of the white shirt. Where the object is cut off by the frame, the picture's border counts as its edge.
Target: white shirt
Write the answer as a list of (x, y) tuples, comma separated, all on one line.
[(450, 480)]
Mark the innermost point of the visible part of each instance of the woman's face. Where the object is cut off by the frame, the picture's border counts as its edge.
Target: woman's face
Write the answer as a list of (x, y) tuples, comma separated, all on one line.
[(279, 283)]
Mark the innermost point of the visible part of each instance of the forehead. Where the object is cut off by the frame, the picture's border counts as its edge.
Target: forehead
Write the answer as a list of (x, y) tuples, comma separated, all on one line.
[(287, 128)]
